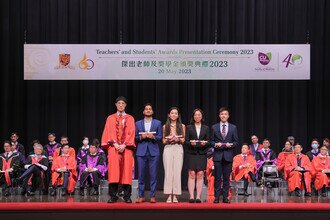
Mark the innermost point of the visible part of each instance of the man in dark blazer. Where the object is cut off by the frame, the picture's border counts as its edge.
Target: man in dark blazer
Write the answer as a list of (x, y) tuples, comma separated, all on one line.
[(148, 134), (224, 139), (255, 146)]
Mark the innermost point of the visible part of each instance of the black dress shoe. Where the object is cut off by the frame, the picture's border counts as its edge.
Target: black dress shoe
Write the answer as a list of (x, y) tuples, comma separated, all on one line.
[(216, 200), (225, 200), (95, 193), (112, 200), (297, 193), (52, 192), (81, 192), (191, 200), (30, 193), (64, 192), (308, 194), (23, 192), (128, 200), (198, 201), (6, 193)]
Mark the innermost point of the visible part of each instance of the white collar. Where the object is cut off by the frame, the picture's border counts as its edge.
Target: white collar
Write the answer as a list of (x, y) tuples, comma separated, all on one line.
[(121, 113), (226, 123), (85, 148)]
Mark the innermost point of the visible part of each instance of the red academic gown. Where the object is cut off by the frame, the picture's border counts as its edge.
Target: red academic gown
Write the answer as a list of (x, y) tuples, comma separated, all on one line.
[(320, 163), (295, 177), (240, 173), (70, 163), (120, 131), (72, 152), (210, 180), (281, 162)]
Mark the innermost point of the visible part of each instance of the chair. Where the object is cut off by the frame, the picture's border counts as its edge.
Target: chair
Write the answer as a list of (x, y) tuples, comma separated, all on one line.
[(270, 175)]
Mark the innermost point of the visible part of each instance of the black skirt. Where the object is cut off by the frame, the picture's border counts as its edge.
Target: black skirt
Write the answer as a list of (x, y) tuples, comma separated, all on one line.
[(197, 161)]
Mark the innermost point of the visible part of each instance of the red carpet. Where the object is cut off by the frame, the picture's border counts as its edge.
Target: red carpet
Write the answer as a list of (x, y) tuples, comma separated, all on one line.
[(44, 206)]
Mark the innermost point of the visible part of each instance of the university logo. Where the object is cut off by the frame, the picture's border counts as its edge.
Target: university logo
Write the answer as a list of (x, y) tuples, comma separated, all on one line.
[(264, 58), (294, 60), (86, 64), (64, 61)]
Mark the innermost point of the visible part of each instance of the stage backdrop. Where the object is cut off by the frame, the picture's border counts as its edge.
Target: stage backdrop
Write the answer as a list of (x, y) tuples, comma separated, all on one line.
[(271, 109), (165, 61)]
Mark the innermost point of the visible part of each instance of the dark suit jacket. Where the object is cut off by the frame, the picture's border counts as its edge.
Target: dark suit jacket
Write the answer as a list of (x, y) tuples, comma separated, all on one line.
[(310, 155), (253, 151), (224, 153), (150, 144), (191, 134)]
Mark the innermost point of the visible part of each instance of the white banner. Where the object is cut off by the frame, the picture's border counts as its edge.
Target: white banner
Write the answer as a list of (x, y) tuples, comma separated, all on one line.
[(166, 62)]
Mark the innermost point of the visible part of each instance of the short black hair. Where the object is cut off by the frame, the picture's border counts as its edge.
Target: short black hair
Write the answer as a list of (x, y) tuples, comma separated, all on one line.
[(267, 139), (246, 145), (35, 142), (65, 145), (7, 142), (64, 136), (315, 139), (121, 98), (96, 142), (192, 120), (148, 104), (51, 133), (222, 109), (14, 133)]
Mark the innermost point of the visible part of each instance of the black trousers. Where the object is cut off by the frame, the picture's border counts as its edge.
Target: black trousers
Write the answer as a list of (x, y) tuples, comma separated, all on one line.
[(85, 176), (113, 190), (222, 171), (65, 176), (36, 179)]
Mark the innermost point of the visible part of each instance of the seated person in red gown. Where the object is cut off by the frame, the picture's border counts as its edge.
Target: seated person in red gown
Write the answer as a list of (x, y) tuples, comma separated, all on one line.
[(297, 168), (244, 167), (321, 170), (287, 150), (64, 171)]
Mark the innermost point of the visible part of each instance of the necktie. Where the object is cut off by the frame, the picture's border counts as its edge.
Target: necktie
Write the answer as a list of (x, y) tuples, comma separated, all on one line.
[(223, 132), (120, 128), (298, 161), (244, 158)]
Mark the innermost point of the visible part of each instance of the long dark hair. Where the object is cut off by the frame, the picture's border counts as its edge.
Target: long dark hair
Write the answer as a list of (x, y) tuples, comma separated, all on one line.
[(179, 129), (192, 120)]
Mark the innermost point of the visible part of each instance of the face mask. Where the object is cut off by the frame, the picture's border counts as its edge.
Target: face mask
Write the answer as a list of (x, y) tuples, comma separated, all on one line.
[(315, 146), (85, 142)]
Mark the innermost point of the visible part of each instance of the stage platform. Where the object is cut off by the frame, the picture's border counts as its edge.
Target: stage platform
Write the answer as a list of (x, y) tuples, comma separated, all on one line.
[(265, 207)]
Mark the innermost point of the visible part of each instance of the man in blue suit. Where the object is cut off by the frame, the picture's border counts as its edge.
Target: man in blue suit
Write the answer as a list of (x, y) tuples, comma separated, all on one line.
[(224, 139), (148, 134)]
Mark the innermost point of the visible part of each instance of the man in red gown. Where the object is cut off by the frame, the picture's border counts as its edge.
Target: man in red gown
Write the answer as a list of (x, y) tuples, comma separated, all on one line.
[(244, 167), (297, 168), (282, 158), (119, 139), (321, 171)]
